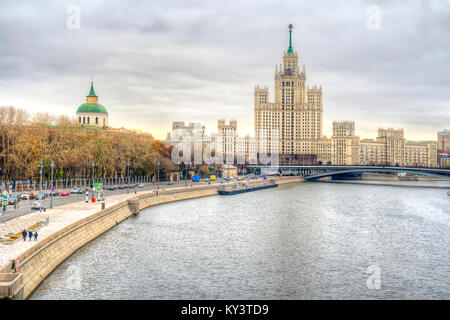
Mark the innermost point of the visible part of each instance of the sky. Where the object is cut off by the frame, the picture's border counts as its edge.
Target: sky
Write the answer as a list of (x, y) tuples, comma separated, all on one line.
[(380, 63)]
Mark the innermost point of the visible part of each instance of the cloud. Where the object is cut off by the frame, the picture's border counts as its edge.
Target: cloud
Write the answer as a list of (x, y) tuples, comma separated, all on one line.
[(159, 61)]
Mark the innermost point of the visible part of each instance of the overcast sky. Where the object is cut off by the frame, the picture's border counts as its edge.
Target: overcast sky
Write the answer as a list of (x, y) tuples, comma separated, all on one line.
[(154, 62)]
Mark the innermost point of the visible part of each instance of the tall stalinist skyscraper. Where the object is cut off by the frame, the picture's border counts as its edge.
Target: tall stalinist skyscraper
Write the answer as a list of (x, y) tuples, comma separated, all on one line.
[(296, 112)]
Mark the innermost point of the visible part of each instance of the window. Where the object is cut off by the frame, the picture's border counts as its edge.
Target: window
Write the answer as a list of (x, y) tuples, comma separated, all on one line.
[(89, 120), (84, 120), (79, 120), (96, 120)]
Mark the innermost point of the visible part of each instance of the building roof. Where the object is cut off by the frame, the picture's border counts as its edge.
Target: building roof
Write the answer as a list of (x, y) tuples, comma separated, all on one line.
[(92, 108), (92, 93)]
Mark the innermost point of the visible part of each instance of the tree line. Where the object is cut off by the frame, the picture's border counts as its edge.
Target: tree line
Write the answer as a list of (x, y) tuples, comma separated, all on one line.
[(28, 140)]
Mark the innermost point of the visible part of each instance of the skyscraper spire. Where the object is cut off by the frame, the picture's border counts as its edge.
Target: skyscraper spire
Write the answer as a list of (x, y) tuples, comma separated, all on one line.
[(290, 50)]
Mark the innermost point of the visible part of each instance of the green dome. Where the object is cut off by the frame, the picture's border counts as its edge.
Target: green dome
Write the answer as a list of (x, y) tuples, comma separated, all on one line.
[(92, 107)]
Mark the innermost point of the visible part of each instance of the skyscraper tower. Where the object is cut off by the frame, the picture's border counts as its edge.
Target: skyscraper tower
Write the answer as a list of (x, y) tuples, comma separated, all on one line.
[(296, 111)]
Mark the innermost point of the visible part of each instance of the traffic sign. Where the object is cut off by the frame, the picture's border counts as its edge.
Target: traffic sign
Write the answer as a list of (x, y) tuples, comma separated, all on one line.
[(28, 181), (5, 201), (5, 193)]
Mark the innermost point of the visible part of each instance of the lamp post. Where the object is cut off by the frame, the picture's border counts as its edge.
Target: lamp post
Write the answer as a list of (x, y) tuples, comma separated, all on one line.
[(157, 178), (52, 164), (84, 172), (128, 176), (40, 185), (93, 178)]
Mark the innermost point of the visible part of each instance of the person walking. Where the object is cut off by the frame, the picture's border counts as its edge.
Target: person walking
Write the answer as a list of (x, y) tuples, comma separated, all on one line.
[(35, 236), (30, 234), (24, 235)]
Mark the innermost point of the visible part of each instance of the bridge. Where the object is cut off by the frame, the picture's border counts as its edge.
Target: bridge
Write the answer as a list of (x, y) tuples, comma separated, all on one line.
[(312, 172)]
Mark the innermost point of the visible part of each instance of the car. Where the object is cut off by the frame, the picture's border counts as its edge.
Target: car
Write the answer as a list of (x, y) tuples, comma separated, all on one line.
[(64, 194), (81, 190), (78, 191), (34, 194), (54, 193), (13, 199), (25, 196), (140, 185), (36, 205), (41, 195), (170, 183)]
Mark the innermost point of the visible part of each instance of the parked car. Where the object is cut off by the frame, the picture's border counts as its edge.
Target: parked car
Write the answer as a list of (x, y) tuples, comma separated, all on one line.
[(41, 195), (82, 190), (34, 194), (36, 205), (140, 185), (13, 199), (78, 190), (25, 196), (170, 183), (55, 193), (64, 194)]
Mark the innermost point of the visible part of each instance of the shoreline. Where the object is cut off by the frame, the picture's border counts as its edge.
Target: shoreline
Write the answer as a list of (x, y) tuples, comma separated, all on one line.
[(39, 259), (386, 183)]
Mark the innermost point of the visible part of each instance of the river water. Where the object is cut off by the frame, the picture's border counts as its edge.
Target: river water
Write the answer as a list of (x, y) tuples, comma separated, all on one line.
[(304, 241)]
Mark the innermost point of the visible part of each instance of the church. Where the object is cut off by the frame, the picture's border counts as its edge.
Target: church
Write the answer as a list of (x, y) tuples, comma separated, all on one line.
[(92, 113)]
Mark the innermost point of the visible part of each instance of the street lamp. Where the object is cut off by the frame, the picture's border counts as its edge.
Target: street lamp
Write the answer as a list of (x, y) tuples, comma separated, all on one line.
[(158, 171), (93, 178), (128, 176), (40, 185), (52, 164), (84, 172)]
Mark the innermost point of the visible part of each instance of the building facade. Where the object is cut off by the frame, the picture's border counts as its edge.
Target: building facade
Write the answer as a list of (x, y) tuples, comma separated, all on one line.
[(295, 116), (92, 113), (444, 141), (228, 134), (389, 148)]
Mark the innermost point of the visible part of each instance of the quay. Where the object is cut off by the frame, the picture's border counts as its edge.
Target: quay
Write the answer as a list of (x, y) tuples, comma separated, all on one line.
[(72, 226)]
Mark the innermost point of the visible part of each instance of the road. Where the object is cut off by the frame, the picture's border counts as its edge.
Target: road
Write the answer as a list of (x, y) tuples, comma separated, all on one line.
[(24, 206)]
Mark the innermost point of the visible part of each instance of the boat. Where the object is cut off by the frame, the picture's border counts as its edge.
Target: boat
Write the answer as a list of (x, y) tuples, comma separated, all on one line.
[(242, 188)]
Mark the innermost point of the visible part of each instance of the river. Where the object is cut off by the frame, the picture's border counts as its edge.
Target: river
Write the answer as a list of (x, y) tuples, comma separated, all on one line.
[(303, 241)]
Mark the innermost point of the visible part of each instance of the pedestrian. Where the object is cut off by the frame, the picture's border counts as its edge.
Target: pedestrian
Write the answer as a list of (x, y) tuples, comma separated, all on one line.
[(24, 235), (30, 234), (35, 236)]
